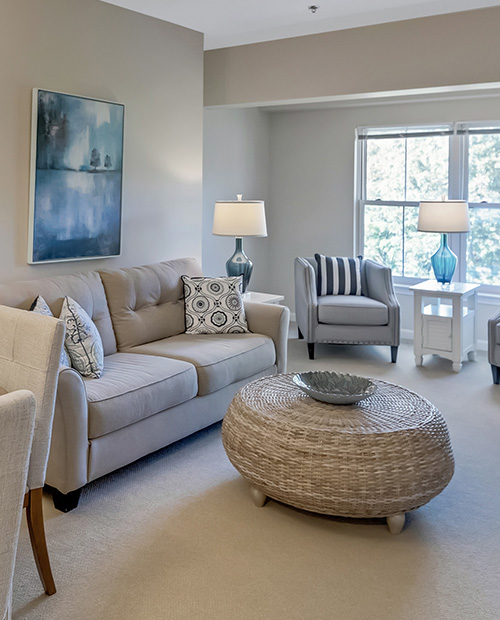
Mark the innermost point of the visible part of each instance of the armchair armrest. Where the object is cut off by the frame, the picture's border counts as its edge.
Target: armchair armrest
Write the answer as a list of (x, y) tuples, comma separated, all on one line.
[(273, 321), (306, 298), (379, 283), (380, 287), (493, 345), (67, 465)]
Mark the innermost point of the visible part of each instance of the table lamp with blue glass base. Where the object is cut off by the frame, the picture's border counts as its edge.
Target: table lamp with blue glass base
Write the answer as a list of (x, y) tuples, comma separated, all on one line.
[(240, 218), (446, 216)]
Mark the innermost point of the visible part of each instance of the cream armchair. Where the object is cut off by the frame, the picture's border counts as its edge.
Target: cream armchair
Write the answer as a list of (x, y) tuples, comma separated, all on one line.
[(17, 420), (371, 318), (30, 350)]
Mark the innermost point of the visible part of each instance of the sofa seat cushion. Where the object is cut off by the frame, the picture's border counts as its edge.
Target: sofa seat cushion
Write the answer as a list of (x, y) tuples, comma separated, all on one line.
[(219, 359), (497, 333), (133, 387), (351, 310)]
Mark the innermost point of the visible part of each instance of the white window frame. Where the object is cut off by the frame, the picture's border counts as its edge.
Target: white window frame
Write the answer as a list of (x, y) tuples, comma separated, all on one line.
[(457, 184)]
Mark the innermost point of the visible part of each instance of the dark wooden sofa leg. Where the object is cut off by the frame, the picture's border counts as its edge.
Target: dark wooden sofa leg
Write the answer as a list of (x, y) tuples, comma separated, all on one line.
[(495, 371), (394, 354), (310, 349), (36, 529), (65, 502), (301, 335)]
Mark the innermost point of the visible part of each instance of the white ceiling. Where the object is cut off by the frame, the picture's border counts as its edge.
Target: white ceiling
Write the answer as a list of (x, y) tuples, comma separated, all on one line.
[(226, 23)]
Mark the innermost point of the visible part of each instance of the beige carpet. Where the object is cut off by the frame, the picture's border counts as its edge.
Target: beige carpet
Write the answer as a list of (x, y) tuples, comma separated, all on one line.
[(176, 536)]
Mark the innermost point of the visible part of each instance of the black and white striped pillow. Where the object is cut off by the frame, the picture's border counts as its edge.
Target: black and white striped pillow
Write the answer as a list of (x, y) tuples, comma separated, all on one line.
[(338, 275)]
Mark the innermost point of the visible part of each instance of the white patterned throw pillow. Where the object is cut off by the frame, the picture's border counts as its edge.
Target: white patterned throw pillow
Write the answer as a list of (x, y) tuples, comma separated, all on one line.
[(338, 275), (83, 341), (214, 306), (40, 306)]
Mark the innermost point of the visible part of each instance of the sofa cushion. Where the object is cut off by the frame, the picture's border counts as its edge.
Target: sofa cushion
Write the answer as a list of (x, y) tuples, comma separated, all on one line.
[(220, 359), (84, 288), (133, 387), (147, 303), (351, 310)]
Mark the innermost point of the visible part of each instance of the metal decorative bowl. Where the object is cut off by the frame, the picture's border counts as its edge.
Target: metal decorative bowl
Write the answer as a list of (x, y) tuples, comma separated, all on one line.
[(334, 387)]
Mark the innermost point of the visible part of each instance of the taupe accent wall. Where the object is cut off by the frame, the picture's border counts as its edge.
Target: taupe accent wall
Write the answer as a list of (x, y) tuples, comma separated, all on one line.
[(94, 49), (445, 50)]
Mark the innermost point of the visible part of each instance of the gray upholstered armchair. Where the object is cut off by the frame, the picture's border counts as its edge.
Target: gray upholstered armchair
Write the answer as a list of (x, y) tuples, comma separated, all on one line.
[(494, 346), (370, 318)]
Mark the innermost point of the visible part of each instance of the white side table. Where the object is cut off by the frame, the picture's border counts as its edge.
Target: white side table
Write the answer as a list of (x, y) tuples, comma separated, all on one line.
[(444, 321), (263, 298)]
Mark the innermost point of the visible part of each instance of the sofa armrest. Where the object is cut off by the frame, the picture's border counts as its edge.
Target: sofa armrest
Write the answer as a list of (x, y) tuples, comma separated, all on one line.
[(68, 458), (493, 345), (273, 321), (306, 298)]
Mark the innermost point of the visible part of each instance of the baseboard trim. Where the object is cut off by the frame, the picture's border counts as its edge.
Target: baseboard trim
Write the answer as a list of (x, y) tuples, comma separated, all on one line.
[(407, 336)]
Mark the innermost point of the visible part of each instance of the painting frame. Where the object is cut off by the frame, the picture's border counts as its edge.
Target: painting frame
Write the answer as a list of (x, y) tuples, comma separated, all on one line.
[(75, 196)]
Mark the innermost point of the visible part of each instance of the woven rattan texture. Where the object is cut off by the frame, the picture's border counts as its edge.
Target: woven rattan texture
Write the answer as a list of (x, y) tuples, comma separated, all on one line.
[(384, 455)]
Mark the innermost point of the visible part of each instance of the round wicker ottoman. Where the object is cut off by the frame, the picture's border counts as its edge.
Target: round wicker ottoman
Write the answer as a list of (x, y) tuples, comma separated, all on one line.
[(381, 457)]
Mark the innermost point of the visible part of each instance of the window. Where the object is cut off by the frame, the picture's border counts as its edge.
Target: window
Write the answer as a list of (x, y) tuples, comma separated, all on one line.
[(399, 167)]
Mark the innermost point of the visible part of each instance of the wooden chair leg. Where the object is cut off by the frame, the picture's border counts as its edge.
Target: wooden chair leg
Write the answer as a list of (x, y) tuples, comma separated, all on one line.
[(34, 516)]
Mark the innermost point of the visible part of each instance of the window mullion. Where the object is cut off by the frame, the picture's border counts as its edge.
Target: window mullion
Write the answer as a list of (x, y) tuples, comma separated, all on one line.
[(361, 193), (463, 140), (456, 178)]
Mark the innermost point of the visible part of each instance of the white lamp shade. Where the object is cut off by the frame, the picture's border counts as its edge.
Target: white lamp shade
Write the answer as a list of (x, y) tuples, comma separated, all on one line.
[(450, 216), (240, 218)]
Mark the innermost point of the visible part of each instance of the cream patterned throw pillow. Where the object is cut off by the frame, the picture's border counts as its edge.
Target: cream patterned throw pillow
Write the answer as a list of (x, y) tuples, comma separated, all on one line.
[(214, 306), (40, 306), (83, 341)]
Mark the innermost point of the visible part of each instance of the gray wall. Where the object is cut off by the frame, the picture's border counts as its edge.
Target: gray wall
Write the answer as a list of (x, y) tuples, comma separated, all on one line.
[(310, 181), (236, 161), (98, 50)]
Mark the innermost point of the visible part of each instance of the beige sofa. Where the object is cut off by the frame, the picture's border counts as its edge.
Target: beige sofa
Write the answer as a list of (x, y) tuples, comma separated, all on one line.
[(159, 384)]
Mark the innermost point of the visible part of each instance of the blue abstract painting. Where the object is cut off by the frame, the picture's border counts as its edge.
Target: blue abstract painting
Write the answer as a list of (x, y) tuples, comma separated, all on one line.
[(76, 178)]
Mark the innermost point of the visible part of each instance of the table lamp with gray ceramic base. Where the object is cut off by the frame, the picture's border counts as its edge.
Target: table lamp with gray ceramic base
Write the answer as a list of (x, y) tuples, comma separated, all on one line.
[(240, 265), (240, 218)]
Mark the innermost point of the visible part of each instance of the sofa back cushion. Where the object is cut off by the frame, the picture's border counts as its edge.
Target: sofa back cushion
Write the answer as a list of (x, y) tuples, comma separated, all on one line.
[(147, 303), (84, 288)]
